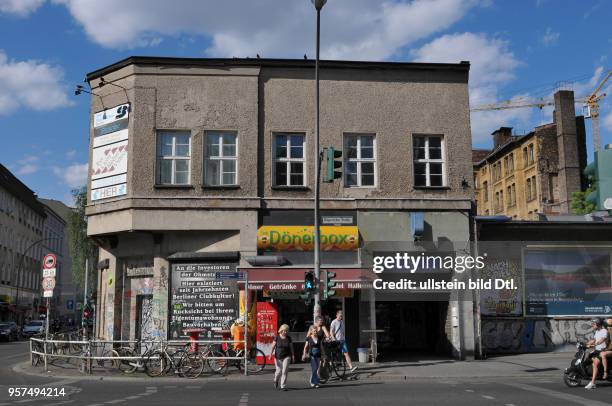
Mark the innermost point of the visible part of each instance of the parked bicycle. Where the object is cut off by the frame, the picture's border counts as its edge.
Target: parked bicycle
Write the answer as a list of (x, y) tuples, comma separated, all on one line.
[(255, 360), (180, 362)]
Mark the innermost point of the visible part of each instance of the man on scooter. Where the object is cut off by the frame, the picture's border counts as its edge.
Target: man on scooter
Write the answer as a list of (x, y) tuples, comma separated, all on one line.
[(599, 342)]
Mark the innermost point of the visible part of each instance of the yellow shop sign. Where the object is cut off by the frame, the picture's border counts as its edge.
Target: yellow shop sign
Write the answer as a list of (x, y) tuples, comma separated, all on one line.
[(301, 238)]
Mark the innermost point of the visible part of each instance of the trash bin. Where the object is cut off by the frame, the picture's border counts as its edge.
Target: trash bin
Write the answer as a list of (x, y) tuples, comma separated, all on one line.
[(363, 354)]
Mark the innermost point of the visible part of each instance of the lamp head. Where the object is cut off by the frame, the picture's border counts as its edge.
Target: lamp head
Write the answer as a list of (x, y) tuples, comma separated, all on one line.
[(318, 4)]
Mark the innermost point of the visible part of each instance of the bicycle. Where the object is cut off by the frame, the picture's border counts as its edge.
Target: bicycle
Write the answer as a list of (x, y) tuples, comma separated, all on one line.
[(255, 360), (333, 361), (183, 363)]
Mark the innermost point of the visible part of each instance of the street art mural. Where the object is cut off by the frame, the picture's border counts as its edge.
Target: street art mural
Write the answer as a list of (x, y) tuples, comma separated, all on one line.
[(533, 335)]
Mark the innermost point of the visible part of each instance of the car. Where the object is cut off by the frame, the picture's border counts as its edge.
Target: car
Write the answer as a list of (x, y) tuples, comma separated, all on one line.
[(9, 331), (34, 327)]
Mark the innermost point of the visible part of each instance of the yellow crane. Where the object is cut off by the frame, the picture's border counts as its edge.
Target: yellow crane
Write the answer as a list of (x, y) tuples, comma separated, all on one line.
[(591, 107), (592, 110)]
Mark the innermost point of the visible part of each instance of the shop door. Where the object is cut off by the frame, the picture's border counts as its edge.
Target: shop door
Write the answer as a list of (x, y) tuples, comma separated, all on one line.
[(144, 317)]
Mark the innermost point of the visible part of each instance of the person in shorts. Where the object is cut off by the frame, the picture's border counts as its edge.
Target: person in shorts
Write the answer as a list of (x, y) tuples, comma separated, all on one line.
[(607, 352), (599, 342), (337, 331)]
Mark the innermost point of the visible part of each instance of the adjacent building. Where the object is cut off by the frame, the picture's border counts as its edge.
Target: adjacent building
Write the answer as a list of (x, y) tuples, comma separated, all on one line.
[(206, 165), (524, 175), (22, 220), (55, 232)]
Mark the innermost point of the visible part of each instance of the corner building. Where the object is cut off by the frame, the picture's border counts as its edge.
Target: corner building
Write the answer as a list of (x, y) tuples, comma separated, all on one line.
[(214, 156)]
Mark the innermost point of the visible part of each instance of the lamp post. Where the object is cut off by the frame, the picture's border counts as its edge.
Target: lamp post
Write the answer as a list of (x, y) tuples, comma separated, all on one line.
[(317, 231)]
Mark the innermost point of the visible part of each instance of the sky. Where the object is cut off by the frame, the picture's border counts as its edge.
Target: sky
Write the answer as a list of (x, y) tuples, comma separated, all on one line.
[(519, 50)]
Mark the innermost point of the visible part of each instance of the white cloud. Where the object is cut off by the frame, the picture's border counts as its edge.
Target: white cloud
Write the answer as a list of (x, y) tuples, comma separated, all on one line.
[(73, 175), (351, 29), (71, 154), (30, 84), (27, 169), (21, 8), (550, 37), (492, 65)]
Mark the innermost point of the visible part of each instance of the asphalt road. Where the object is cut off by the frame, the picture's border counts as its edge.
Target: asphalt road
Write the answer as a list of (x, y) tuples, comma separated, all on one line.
[(258, 390)]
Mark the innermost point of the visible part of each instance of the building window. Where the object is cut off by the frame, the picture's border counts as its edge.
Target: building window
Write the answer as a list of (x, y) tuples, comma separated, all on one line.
[(506, 166), (173, 158), (511, 163), (360, 161), (289, 160), (221, 167), (485, 191), (531, 157), (429, 165), (513, 191)]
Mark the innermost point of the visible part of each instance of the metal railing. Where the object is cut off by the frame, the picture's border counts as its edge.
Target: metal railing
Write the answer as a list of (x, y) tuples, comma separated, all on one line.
[(88, 351)]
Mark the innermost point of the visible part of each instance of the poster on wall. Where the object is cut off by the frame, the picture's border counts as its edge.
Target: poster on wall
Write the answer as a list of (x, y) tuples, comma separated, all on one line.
[(108, 169), (568, 281), (204, 296), (501, 302)]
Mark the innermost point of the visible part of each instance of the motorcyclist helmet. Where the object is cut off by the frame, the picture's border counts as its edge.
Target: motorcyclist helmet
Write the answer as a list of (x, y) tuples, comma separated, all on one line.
[(597, 321)]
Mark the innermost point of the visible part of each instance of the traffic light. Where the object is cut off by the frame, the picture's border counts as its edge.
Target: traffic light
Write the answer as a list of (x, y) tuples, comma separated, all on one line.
[(309, 282), (333, 162), (88, 314), (329, 284)]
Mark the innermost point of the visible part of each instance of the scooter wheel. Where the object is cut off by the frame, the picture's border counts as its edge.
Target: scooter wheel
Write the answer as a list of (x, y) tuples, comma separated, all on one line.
[(571, 380)]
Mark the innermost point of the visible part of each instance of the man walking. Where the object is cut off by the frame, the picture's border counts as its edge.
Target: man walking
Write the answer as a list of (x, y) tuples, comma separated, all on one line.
[(338, 333)]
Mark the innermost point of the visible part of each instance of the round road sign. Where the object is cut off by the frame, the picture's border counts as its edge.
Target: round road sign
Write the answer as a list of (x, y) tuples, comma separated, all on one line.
[(49, 261), (48, 283)]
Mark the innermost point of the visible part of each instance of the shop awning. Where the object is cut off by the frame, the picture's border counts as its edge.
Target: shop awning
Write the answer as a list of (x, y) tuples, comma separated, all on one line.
[(292, 278)]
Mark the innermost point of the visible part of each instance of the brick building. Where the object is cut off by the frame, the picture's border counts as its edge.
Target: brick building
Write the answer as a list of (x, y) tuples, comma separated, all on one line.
[(524, 175)]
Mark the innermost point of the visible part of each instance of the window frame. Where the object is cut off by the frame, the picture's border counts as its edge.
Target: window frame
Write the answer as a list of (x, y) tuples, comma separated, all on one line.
[(288, 160), (359, 160), (427, 161), (159, 158), (220, 159)]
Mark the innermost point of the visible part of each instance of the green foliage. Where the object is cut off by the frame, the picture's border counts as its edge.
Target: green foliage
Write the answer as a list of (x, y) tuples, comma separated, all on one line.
[(81, 246), (579, 203)]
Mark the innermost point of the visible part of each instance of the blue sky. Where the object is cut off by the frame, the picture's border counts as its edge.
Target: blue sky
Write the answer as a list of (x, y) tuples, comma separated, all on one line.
[(518, 49)]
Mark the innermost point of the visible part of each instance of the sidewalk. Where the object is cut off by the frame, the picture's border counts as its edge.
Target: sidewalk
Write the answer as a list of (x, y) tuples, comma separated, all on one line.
[(523, 365)]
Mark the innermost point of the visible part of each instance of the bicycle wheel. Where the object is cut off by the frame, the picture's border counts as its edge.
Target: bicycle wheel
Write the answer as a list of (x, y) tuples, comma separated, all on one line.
[(256, 361), (191, 365), (216, 364), (127, 366), (109, 363), (155, 363), (338, 364)]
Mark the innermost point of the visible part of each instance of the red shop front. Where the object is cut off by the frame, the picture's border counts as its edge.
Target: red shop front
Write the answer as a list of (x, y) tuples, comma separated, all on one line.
[(277, 292)]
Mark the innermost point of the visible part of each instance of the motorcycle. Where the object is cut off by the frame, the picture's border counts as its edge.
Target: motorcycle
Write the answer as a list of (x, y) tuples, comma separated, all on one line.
[(581, 367)]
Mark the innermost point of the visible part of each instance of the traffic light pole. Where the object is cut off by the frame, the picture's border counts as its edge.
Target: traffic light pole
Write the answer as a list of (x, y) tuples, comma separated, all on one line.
[(317, 231)]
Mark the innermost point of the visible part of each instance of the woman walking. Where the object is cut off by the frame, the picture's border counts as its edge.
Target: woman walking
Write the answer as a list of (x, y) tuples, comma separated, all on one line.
[(282, 351), (313, 349)]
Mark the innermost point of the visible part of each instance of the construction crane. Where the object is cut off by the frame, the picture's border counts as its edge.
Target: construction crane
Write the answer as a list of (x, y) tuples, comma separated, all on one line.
[(591, 105)]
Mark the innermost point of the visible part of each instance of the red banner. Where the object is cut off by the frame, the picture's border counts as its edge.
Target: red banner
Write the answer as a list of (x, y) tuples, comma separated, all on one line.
[(267, 325)]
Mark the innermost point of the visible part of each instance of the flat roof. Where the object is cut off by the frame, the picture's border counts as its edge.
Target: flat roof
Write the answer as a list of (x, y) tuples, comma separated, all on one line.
[(462, 66)]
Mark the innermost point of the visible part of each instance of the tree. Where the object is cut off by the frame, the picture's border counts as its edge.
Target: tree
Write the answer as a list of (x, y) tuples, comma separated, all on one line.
[(82, 247), (579, 203)]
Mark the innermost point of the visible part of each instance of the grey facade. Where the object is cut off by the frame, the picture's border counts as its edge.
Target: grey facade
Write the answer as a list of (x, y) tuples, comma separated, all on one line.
[(258, 101), (21, 230)]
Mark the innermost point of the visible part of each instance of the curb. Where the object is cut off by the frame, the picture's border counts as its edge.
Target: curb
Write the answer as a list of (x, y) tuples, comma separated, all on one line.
[(363, 375)]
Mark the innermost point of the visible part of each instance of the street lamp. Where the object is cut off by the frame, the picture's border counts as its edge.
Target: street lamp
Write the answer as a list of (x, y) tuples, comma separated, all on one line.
[(317, 231)]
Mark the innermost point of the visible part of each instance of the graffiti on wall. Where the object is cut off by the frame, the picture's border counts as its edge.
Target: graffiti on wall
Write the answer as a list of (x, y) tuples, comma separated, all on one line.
[(532, 335), (160, 303)]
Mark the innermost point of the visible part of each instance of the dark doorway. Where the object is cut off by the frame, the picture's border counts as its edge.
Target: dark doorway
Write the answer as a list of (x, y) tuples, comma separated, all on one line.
[(412, 329)]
